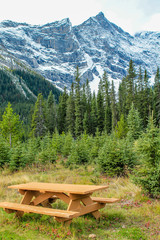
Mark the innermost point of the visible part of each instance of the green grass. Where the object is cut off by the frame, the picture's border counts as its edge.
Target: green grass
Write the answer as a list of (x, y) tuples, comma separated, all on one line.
[(135, 217)]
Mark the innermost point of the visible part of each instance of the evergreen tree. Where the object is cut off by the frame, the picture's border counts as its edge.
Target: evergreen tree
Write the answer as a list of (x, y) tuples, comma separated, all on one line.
[(130, 82), (87, 116), (113, 106), (39, 118), (140, 89), (51, 113), (10, 126), (140, 84), (147, 175), (62, 108), (78, 107), (83, 101), (157, 97), (100, 108), (122, 98), (134, 123), (107, 104), (70, 112), (93, 114), (121, 128), (146, 104)]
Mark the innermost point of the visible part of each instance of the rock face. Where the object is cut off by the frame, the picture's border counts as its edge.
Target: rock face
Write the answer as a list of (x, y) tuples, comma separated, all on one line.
[(55, 49)]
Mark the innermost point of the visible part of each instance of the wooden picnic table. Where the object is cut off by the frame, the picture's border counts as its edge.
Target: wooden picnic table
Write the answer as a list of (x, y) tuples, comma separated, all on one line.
[(77, 197)]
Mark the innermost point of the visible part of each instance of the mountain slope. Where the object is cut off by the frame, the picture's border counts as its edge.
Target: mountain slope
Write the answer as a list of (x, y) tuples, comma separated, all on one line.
[(17, 86), (55, 49)]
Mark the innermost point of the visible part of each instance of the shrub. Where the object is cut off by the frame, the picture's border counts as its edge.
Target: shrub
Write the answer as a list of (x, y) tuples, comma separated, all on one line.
[(17, 157), (32, 147), (67, 146), (80, 151), (147, 174), (96, 144), (4, 152), (116, 157), (47, 153), (58, 141), (47, 156)]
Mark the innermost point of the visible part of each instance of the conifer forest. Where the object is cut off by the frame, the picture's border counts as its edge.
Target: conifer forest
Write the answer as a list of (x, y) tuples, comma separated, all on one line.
[(115, 131)]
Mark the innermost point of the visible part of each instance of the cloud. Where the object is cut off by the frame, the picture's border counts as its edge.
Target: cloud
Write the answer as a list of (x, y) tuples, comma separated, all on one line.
[(149, 7), (131, 15), (153, 24)]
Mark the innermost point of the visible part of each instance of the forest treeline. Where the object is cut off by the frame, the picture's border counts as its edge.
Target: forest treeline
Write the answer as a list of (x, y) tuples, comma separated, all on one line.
[(118, 133), (82, 111)]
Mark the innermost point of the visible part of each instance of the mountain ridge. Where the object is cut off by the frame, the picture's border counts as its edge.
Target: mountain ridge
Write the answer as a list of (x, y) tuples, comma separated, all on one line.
[(55, 49)]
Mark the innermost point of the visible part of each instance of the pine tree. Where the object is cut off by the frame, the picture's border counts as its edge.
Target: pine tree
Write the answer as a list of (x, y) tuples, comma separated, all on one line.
[(113, 106), (147, 175), (11, 126), (39, 118), (134, 123), (157, 97), (93, 114), (122, 98), (140, 83), (121, 128), (140, 89), (83, 101), (146, 103), (51, 113), (100, 108), (130, 82), (107, 104), (87, 115), (78, 107), (70, 112), (62, 108)]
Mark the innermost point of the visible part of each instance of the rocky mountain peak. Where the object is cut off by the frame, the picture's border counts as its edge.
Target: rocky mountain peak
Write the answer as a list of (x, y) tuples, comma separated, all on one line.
[(55, 49)]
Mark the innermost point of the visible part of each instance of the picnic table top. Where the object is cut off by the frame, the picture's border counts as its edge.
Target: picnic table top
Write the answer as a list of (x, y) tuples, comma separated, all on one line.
[(59, 188)]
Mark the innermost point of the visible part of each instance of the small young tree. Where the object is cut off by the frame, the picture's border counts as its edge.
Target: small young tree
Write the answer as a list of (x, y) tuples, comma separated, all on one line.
[(147, 174), (78, 105), (51, 113), (11, 126), (4, 152), (116, 158), (121, 128), (134, 123), (39, 118), (157, 97), (62, 108), (100, 108)]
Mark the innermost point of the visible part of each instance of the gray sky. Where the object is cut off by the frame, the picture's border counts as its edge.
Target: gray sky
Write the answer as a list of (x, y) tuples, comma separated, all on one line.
[(131, 15)]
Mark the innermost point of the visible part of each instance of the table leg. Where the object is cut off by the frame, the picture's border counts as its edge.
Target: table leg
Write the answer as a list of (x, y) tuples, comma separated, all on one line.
[(25, 200), (87, 202)]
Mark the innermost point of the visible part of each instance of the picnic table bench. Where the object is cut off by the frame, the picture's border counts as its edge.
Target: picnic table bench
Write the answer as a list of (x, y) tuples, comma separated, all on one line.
[(37, 198)]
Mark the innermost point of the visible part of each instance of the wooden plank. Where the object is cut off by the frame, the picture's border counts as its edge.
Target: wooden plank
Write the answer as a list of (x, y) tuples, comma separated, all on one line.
[(66, 188), (78, 196), (41, 198), (27, 197), (64, 197), (88, 202), (104, 200), (92, 208), (39, 210), (74, 205)]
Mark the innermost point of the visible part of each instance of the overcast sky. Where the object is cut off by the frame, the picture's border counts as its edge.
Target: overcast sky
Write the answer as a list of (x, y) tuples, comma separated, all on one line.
[(131, 15)]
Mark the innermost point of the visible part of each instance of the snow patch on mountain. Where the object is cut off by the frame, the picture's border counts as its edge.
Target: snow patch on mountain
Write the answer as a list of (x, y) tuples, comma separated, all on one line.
[(97, 45)]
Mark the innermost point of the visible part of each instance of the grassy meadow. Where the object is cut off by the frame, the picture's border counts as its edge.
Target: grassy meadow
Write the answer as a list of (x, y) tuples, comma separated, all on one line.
[(134, 217)]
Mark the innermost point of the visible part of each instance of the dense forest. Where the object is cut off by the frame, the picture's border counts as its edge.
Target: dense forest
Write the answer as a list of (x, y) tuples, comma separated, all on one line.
[(21, 88), (117, 132)]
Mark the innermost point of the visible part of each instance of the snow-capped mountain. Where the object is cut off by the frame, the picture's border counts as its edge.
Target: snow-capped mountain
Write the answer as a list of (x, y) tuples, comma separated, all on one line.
[(55, 49)]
